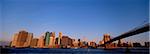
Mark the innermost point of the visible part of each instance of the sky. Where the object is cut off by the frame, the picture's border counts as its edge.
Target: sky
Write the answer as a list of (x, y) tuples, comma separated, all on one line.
[(74, 18)]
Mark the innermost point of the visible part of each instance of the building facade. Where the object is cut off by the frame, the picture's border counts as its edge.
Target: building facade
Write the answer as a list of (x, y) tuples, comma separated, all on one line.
[(29, 39), (66, 42), (14, 40), (41, 42), (34, 42), (47, 39), (59, 38)]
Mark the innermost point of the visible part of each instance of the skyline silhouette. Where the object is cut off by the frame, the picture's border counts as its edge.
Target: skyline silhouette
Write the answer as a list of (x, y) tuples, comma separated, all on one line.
[(76, 18)]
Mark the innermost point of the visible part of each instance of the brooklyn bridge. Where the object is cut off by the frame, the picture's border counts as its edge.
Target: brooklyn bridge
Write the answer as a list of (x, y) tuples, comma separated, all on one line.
[(133, 32)]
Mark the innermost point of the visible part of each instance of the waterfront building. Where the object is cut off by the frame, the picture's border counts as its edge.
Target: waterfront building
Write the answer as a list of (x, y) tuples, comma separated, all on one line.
[(52, 40), (93, 44), (130, 44), (66, 41), (137, 44), (120, 43), (101, 42), (75, 43), (147, 44), (47, 39), (29, 39), (21, 39), (79, 43), (56, 40), (56, 43), (41, 42), (14, 40), (125, 44), (114, 45), (34, 42), (59, 38)]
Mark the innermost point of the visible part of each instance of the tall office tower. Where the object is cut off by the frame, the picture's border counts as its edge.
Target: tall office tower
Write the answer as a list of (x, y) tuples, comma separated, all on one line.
[(52, 40), (106, 37), (29, 39), (34, 42), (59, 38), (14, 40), (53, 35), (22, 38), (47, 39), (41, 42)]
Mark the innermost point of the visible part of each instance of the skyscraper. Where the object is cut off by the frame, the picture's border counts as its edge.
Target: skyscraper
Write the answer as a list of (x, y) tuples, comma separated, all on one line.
[(29, 39), (47, 38), (41, 42), (52, 40), (53, 35), (22, 38), (14, 40), (59, 38)]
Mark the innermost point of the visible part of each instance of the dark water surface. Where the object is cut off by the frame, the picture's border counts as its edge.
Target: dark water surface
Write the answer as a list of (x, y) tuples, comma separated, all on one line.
[(74, 51)]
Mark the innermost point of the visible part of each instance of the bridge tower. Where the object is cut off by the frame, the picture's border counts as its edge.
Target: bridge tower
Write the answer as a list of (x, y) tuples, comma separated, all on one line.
[(106, 38)]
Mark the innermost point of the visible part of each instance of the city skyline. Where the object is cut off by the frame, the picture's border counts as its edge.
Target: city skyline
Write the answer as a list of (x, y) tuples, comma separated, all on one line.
[(24, 39), (90, 19)]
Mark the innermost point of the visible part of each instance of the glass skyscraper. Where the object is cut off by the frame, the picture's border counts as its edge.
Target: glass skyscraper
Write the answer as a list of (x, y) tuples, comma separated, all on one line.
[(47, 39)]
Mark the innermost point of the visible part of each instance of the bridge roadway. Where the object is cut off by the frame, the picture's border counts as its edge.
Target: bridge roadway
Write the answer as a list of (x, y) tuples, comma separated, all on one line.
[(142, 29)]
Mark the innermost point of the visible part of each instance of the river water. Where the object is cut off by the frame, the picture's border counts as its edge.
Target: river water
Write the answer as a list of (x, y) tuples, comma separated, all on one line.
[(74, 51)]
